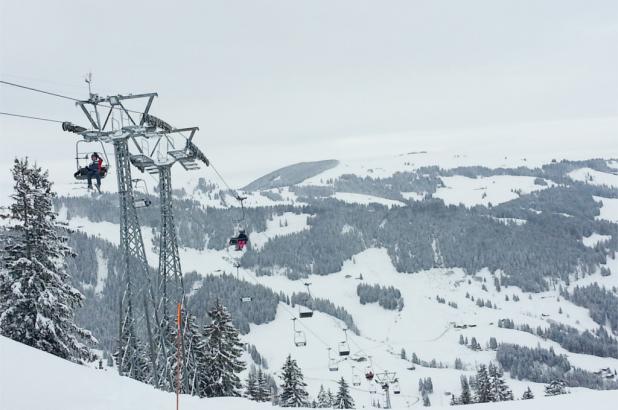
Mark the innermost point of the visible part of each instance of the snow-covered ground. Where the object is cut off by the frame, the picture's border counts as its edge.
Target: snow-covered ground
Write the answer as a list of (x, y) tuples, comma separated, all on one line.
[(592, 240), (609, 210), (364, 199), (594, 177), (279, 225), (424, 326), (34, 380), (485, 190)]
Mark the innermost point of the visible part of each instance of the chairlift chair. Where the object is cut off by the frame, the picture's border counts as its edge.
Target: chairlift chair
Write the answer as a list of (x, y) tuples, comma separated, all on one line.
[(241, 239), (369, 371), (344, 348), (356, 381), (300, 340), (82, 160), (305, 312), (140, 194), (332, 363), (396, 388)]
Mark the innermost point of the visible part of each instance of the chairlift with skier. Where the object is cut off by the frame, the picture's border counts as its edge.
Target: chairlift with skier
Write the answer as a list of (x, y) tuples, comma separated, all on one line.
[(240, 240)]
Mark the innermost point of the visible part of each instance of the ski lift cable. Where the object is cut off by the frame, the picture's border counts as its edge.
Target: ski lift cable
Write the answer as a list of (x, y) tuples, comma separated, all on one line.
[(58, 95), (236, 194), (38, 90), (293, 315), (212, 166), (30, 117)]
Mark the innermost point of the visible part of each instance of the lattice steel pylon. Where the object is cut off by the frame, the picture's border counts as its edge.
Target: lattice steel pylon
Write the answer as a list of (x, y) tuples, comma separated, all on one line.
[(170, 286), (136, 273)]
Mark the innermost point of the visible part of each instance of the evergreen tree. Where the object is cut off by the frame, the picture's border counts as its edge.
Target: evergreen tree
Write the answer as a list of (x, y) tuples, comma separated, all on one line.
[(493, 343), (130, 354), (466, 396), (482, 385), (555, 387), (223, 350), (251, 385), (263, 387), (37, 301), (527, 394), (293, 393), (343, 400), (193, 356), (331, 396), (500, 391), (403, 354), (426, 401), (324, 400), (454, 401)]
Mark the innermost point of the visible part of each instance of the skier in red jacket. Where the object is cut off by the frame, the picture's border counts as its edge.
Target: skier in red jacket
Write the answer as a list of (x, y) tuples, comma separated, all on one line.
[(94, 170)]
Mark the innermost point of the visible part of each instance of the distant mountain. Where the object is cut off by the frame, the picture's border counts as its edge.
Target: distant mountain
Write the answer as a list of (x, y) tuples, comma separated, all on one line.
[(291, 175)]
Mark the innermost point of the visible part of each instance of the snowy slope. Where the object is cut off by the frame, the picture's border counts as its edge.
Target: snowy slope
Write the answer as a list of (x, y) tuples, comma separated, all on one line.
[(34, 380), (483, 191), (592, 176), (424, 326)]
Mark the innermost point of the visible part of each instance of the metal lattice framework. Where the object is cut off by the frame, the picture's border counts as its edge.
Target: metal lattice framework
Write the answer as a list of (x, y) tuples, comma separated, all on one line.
[(140, 304), (138, 301), (385, 379), (159, 161)]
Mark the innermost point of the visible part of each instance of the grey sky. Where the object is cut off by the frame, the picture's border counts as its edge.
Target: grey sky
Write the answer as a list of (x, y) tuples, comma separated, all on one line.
[(257, 74)]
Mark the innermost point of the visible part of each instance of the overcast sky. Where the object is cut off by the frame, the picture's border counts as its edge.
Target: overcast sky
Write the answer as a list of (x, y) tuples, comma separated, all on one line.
[(312, 73)]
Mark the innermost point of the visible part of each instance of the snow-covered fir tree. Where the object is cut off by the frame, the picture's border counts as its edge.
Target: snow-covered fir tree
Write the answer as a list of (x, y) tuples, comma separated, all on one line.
[(264, 392), (482, 385), (343, 400), (37, 301), (293, 393), (257, 386), (466, 396), (223, 350), (194, 358), (331, 396), (130, 354), (500, 391), (555, 387), (527, 394), (251, 385), (426, 401), (324, 401)]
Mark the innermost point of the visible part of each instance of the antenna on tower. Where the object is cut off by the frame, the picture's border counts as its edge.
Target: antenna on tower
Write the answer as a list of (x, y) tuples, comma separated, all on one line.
[(88, 80)]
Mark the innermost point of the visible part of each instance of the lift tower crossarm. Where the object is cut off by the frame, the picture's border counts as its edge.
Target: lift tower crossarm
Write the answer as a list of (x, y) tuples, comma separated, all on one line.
[(111, 103)]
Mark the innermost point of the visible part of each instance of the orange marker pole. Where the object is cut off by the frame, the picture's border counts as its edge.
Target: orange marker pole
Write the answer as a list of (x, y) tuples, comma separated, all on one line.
[(178, 319)]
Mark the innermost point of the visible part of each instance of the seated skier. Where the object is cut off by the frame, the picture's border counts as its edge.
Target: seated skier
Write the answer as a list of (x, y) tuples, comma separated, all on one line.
[(93, 170)]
